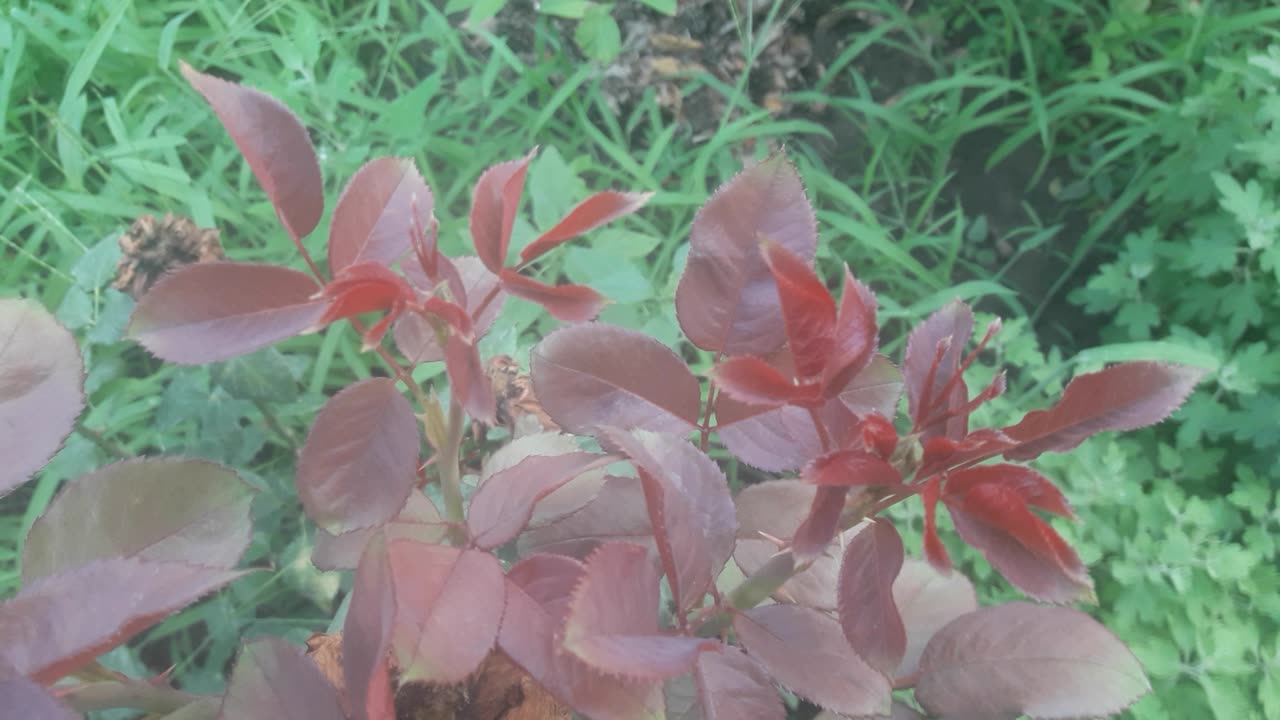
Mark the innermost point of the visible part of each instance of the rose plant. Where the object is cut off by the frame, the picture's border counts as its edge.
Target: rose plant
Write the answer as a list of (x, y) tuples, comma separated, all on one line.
[(602, 551)]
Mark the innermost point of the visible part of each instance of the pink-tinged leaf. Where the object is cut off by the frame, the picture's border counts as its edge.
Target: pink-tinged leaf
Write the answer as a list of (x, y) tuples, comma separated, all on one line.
[(849, 468), (1032, 487), (856, 336), (934, 551), (366, 634), (468, 380), (360, 460), (415, 337), (808, 310), (215, 311), (276, 146), (690, 508), (566, 303), (419, 520), (822, 523), (1046, 570), (449, 604), (1018, 659), (753, 381), (732, 686), (502, 506), (599, 209), (1122, 397), (613, 619), (928, 600), (928, 373), (727, 299), (868, 613), (47, 632), (375, 214), (616, 513), (24, 699), (494, 203), (595, 375), (40, 389), (774, 509), (806, 652), (161, 509), (274, 680)]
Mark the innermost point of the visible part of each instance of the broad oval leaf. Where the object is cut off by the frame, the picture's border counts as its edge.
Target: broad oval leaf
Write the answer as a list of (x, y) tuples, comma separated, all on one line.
[(24, 699), (382, 205), (868, 613), (732, 686), (419, 520), (927, 601), (46, 632), (163, 509), (41, 375), (727, 300), (1023, 659), (274, 680), (617, 512), (414, 336), (503, 505), (927, 373), (216, 311), (494, 202), (274, 143), (595, 375), (805, 651)]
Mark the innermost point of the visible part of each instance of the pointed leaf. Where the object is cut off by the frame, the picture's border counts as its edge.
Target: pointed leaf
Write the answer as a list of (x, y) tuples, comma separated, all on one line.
[(603, 207), (419, 520), (1023, 659), (1032, 556), (732, 686), (821, 524), (808, 310), (274, 680), (727, 299), (753, 381), (851, 468), (494, 203), (468, 380), (1122, 397), (414, 336), (40, 389), (617, 512), (360, 460), (868, 613), (928, 600), (934, 550), (594, 375), (366, 634), (163, 509), (948, 330), (375, 215), (566, 303), (24, 699), (215, 311), (502, 506), (856, 336), (1030, 486), (274, 143), (805, 651)]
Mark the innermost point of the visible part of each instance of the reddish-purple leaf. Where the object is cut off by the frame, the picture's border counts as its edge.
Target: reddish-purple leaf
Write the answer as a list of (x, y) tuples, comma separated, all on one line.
[(1032, 487), (690, 508), (821, 524), (375, 215), (927, 373), (40, 389), (775, 508), (1018, 659), (161, 509), (1122, 397), (419, 520), (366, 634), (613, 619), (502, 506), (24, 699), (868, 613), (727, 299), (928, 600), (1033, 557), (362, 288), (804, 650), (753, 381), (276, 146), (566, 303), (856, 336), (808, 310), (414, 336), (595, 375), (934, 551), (560, 502), (603, 207), (494, 202), (215, 311), (851, 468), (360, 460), (468, 380), (732, 686), (274, 680), (941, 453), (47, 631), (617, 512)]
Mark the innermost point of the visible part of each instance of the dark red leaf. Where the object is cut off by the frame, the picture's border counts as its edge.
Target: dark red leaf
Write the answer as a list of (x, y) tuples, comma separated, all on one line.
[(1033, 488), (1018, 659), (502, 506), (808, 310), (40, 389), (161, 509), (941, 453), (274, 680), (868, 613), (935, 349), (365, 287), (851, 467), (879, 435), (727, 299), (215, 311), (732, 686), (753, 381), (616, 513), (375, 215), (928, 600), (366, 634), (468, 380), (24, 699), (566, 303), (804, 650), (47, 632), (822, 523), (856, 336), (1122, 397), (419, 520), (603, 207), (360, 460), (595, 375), (1048, 570), (414, 336), (494, 203), (934, 550), (1004, 506)]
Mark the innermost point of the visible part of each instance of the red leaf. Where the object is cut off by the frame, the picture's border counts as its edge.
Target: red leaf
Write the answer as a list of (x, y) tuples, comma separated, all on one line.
[(1048, 570), (468, 380), (690, 509), (46, 632), (366, 634), (927, 373), (1004, 506), (848, 468), (1018, 659), (727, 299), (415, 337), (502, 506), (448, 607), (751, 380), (40, 389), (805, 651), (595, 375), (613, 619), (732, 686), (868, 613), (161, 509), (375, 215), (360, 460), (1122, 397), (941, 453), (856, 336), (603, 207), (274, 680), (419, 520), (215, 311), (566, 303), (364, 287), (808, 310), (24, 699), (934, 550), (276, 146), (494, 203), (617, 513), (1030, 486), (928, 600), (822, 523)]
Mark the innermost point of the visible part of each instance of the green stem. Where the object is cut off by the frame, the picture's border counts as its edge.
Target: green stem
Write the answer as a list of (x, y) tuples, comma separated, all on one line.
[(450, 470)]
